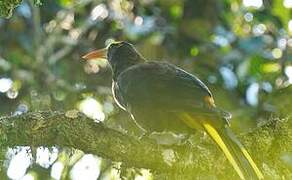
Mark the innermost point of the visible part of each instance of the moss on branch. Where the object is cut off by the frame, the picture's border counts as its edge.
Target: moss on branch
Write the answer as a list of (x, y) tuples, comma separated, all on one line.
[(7, 6), (266, 144)]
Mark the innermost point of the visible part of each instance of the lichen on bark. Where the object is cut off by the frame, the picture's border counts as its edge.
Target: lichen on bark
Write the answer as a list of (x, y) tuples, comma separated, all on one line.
[(7, 6)]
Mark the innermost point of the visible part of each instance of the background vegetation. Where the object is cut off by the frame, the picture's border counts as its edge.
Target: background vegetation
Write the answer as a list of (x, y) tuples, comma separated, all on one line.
[(240, 49)]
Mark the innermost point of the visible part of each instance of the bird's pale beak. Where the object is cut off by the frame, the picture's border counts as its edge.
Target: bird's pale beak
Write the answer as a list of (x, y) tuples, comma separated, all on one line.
[(97, 54)]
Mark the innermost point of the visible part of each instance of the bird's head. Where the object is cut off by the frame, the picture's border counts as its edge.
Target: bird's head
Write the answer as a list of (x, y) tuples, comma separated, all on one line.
[(123, 52), (120, 55)]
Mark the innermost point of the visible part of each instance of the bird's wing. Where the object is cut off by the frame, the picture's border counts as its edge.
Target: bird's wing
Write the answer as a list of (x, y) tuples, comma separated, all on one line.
[(165, 86)]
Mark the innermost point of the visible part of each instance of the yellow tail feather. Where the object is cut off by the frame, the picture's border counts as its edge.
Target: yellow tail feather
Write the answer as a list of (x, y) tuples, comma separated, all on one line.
[(226, 149), (212, 132), (249, 159), (234, 151)]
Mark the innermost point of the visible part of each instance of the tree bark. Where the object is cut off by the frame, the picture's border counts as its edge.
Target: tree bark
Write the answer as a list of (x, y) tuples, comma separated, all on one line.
[(77, 131)]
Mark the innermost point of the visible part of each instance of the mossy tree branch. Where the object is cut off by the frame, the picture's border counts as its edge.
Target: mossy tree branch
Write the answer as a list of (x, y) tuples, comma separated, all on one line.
[(7, 6), (189, 160)]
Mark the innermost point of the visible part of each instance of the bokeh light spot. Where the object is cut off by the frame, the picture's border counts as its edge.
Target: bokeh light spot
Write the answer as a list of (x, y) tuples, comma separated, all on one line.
[(88, 167), (271, 67), (277, 53), (28, 177), (176, 11), (290, 26), (68, 21), (220, 40), (229, 77), (5, 84), (289, 42), (56, 171), (12, 93), (288, 72), (252, 94), (21, 108), (259, 29), (248, 17), (282, 43), (99, 12), (92, 108), (138, 21), (45, 156), (194, 51), (253, 3), (287, 3), (19, 163)]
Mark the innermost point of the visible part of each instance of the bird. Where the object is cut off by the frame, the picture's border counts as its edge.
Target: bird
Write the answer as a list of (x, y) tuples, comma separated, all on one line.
[(161, 97)]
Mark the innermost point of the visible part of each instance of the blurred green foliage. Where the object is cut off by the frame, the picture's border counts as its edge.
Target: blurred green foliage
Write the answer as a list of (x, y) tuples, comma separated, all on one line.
[(240, 49)]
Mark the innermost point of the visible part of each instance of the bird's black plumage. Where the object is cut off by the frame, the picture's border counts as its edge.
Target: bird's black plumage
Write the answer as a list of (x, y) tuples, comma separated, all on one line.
[(154, 92), (163, 97)]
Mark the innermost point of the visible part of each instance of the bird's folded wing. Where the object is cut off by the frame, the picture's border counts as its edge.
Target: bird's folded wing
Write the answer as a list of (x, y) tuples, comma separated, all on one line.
[(163, 85)]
